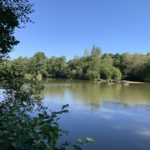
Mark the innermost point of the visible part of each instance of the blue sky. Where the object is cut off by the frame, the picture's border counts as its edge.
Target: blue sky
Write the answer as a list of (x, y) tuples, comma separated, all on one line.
[(67, 27)]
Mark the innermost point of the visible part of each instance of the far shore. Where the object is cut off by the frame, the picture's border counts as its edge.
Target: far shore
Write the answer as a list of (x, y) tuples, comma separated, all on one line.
[(121, 81), (135, 82), (110, 81)]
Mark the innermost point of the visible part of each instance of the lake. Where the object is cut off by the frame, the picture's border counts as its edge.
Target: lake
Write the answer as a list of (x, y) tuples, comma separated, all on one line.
[(116, 116)]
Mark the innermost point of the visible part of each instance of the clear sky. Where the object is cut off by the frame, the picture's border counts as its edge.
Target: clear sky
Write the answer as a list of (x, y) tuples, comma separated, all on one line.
[(67, 27)]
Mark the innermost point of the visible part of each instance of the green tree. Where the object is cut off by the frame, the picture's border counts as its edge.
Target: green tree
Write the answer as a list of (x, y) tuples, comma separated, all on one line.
[(96, 51), (146, 70), (132, 66), (57, 67), (38, 65), (106, 71), (116, 74), (107, 59), (75, 68), (12, 14), (117, 58), (93, 67)]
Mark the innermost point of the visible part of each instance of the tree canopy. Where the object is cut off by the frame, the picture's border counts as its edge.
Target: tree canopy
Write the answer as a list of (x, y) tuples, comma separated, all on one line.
[(12, 14), (133, 67)]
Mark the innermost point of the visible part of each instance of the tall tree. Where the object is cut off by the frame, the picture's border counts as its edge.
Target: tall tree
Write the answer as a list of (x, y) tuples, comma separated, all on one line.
[(96, 51), (38, 65)]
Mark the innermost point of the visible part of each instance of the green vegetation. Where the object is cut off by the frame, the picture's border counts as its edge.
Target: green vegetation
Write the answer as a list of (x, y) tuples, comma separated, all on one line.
[(94, 66), (12, 14), (25, 124)]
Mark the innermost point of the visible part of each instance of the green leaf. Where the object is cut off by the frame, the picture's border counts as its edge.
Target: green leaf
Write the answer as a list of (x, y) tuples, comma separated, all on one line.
[(89, 139), (64, 106), (80, 141)]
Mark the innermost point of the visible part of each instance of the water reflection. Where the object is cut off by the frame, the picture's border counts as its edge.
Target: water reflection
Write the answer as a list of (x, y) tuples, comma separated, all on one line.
[(93, 94), (116, 116)]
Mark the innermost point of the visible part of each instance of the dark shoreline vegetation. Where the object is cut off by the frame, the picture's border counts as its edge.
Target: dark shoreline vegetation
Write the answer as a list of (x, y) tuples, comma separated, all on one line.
[(92, 66)]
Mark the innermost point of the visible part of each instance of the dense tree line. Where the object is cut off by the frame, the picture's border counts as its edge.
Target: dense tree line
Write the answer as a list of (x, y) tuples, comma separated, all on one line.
[(92, 66)]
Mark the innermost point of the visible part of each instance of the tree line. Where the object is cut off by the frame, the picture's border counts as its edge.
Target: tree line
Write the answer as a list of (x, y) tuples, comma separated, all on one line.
[(92, 65)]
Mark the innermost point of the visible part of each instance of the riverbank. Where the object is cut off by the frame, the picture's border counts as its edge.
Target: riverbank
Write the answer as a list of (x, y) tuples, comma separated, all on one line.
[(132, 82), (121, 81), (110, 81)]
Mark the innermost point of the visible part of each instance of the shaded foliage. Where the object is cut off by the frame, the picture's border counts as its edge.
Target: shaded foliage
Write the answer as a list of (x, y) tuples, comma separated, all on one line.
[(12, 14), (25, 124)]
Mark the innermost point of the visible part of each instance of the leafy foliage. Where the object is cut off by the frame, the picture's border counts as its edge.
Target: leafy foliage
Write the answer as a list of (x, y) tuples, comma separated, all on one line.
[(25, 124), (12, 14), (91, 67)]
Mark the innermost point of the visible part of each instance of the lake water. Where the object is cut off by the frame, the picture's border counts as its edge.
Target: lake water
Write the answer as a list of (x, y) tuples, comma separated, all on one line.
[(116, 116)]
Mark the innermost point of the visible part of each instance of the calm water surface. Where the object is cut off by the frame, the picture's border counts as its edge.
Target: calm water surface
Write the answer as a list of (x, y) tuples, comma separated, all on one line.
[(116, 116)]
